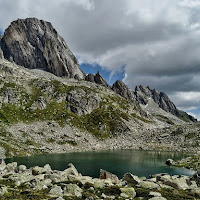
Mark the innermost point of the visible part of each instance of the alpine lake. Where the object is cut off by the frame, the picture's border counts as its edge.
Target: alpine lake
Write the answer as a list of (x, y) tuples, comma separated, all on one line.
[(138, 162)]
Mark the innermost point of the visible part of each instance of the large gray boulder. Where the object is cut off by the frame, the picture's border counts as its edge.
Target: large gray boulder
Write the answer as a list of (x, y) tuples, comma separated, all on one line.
[(130, 178), (34, 43), (107, 175)]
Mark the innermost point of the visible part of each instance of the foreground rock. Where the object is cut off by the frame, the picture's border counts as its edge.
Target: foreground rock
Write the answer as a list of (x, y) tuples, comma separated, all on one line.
[(18, 182), (35, 44)]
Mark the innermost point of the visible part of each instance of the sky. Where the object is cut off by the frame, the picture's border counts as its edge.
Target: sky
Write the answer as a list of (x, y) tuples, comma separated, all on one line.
[(142, 42)]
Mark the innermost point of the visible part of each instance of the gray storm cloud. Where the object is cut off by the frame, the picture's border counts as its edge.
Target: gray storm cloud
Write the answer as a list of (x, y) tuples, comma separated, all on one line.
[(158, 42)]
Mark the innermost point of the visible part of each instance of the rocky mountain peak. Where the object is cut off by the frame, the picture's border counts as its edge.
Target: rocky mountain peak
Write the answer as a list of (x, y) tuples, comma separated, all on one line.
[(34, 43), (97, 78), (122, 89), (145, 94)]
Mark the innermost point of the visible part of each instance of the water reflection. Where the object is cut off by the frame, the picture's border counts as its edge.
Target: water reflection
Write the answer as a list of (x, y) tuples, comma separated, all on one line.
[(141, 163)]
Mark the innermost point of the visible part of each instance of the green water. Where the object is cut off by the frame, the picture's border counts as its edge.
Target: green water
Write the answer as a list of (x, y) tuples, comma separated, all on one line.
[(119, 162)]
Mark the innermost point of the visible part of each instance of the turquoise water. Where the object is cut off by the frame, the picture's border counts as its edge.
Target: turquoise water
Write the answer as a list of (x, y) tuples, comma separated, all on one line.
[(119, 162)]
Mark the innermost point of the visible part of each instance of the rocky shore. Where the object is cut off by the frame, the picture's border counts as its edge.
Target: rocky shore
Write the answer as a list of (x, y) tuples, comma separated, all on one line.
[(192, 162), (18, 182)]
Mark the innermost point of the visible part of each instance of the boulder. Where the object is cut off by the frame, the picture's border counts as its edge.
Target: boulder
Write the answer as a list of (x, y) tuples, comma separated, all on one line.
[(196, 178), (130, 178), (21, 168), (98, 183), (157, 198), (169, 162), (71, 170), (37, 170), (155, 194), (107, 175), (56, 191), (148, 185), (73, 190), (128, 191), (11, 167), (34, 43), (2, 165)]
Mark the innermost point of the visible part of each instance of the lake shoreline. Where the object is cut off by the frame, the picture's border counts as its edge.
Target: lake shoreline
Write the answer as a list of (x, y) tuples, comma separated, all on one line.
[(20, 182)]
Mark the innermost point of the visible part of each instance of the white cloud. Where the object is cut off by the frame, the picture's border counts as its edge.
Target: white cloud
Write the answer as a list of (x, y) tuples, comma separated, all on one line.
[(186, 100)]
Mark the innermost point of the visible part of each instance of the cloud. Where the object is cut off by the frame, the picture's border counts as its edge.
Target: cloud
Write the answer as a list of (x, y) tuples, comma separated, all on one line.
[(155, 43)]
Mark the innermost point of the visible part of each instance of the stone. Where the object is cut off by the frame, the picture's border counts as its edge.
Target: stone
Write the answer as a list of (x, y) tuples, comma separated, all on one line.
[(148, 185), (107, 175), (130, 178), (21, 168), (71, 170), (11, 166), (98, 183), (3, 190), (73, 190), (129, 191), (2, 165), (56, 191), (169, 162), (35, 44), (47, 169), (157, 198), (196, 178), (37, 170), (155, 194)]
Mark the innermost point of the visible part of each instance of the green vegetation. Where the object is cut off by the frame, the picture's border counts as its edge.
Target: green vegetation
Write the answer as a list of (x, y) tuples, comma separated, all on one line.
[(103, 122), (165, 119), (134, 115), (178, 131)]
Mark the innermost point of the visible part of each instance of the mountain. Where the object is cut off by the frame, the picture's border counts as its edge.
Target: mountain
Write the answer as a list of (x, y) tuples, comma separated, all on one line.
[(144, 95), (41, 111), (35, 44)]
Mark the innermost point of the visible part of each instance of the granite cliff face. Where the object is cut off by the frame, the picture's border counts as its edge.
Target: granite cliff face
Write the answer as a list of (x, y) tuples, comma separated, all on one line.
[(34, 44), (145, 94)]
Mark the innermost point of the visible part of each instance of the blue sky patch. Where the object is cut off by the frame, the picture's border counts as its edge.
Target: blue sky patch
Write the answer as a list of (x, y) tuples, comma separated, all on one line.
[(93, 68), (1, 31)]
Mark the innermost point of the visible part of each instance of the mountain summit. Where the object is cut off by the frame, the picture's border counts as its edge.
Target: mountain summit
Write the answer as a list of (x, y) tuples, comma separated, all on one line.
[(35, 44)]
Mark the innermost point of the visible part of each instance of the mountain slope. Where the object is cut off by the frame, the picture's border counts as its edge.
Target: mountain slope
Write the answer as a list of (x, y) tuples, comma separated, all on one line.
[(144, 95), (42, 113)]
